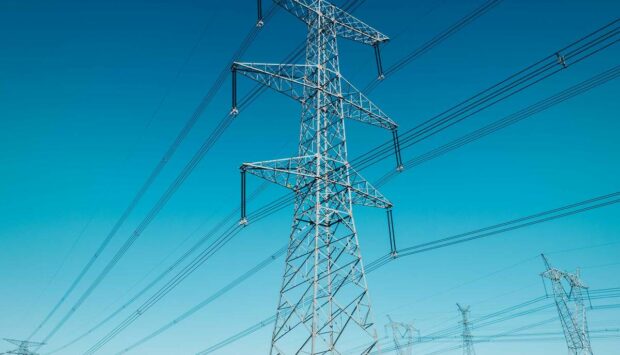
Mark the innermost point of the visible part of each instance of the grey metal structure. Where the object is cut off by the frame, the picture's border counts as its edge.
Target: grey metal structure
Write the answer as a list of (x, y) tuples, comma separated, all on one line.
[(403, 336), (324, 305), (570, 307), (468, 341), (23, 347)]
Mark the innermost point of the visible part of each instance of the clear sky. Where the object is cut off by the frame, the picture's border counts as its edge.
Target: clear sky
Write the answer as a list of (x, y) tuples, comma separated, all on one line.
[(92, 93)]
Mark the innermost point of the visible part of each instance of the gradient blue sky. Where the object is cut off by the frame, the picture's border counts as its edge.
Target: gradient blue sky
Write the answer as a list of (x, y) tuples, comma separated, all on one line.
[(80, 130)]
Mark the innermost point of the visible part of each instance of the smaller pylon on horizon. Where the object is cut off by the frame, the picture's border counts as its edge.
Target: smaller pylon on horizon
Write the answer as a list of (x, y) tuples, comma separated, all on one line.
[(468, 341), (23, 347), (570, 308), (402, 335)]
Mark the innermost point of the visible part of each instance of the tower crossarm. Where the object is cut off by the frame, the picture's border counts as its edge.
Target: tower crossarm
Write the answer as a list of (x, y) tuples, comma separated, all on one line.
[(347, 26), (23, 347), (575, 281), (360, 108), (289, 79), (286, 172), (24, 342), (553, 274), (364, 194), (283, 172)]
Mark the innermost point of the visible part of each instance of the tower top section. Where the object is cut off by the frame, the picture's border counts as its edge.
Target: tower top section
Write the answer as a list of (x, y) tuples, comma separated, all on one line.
[(347, 26)]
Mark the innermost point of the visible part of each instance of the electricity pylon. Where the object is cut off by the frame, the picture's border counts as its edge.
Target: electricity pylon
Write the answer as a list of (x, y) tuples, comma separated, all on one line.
[(468, 341), (570, 308), (324, 304), (23, 347), (402, 335)]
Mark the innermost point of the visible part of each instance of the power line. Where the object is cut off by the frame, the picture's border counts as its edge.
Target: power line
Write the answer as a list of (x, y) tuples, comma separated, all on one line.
[(250, 37), (507, 314), (262, 265), (187, 270), (564, 211), (574, 53), (442, 36), (489, 231), (277, 206), (207, 144), (280, 203), (451, 331), (529, 75), (195, 247), (526, 221), (516, 117), (158, 108)]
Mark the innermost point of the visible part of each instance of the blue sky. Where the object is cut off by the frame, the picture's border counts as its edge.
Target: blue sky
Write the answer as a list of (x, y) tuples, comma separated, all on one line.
[(93, 93)]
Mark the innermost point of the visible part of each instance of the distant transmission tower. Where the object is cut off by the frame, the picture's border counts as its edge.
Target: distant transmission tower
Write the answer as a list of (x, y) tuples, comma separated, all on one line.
[(468, 342), (570, 308), (23, 347), (324, 304), (403, 336)]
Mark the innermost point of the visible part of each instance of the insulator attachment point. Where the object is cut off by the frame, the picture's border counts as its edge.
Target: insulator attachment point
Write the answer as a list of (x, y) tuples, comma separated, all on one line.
[(243, 222), (400, 168), (234, 112), (260, 23)]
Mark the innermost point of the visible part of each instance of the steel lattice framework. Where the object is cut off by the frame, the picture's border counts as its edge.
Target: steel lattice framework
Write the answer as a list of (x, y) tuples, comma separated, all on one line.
[(403, 336), (324, 304), (468, 341), (23, 347), (573, 319)]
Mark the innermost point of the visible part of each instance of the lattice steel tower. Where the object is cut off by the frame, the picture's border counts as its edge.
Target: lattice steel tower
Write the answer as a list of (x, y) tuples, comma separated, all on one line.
[(573, 319), (324, 304), (468, 341), (23, 347), (403, 335)]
